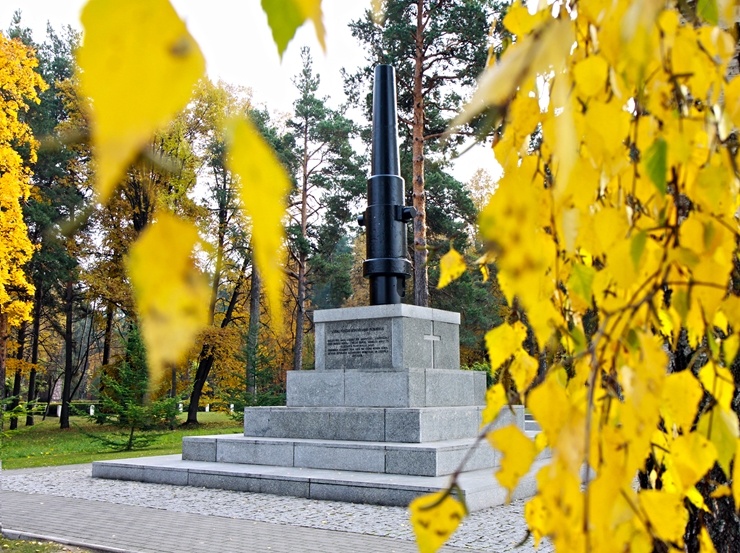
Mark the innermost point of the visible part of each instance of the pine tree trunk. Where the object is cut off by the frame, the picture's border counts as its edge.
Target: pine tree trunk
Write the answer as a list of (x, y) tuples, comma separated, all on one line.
[(68, 358), (35, 331), (300, 314), (253, 331), (421, 283)]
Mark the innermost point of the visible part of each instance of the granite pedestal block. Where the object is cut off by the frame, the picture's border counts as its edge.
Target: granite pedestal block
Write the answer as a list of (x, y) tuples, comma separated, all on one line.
[(386, 416), (386, 337), (389, 388)]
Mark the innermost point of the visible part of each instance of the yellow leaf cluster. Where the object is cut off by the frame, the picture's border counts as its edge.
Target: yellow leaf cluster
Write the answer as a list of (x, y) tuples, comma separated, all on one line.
[(612, 235), (19, 84)]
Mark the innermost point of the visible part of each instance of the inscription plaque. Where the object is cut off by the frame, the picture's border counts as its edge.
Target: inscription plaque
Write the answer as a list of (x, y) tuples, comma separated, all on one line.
[(358, 345), (358, 342)]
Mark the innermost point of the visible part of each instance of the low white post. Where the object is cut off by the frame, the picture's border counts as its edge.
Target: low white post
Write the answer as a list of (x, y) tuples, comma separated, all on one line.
[(92, 410), (208, 407), (231, 408), (179, 407)]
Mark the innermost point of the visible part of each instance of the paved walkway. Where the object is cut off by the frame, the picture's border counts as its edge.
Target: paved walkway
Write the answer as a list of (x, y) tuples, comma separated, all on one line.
[(113, 527), (99, 514)]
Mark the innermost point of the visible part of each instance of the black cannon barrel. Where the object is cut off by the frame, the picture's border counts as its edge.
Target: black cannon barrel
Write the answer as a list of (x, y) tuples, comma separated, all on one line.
[(385, 218)]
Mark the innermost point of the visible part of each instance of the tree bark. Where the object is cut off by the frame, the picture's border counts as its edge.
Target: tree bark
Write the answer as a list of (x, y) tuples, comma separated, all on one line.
[(421, 280), (300, 314), (35, 331), (204, 368), (3, 350), (253, 331), (68, 357), (301, 292), (17, 377)]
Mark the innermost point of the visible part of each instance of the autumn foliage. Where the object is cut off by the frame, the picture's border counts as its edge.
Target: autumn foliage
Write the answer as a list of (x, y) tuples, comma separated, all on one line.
[(20, 86), (612, 231)]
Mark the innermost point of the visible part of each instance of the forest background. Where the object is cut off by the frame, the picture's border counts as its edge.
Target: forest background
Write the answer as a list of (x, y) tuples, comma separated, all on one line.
[(82, 302)]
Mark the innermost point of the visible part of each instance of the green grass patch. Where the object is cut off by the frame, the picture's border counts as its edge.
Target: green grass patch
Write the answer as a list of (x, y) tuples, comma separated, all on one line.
[(32, 546), (44, 444)]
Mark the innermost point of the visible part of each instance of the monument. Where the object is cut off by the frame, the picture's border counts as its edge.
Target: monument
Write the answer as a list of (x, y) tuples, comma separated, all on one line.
[(387, 414)]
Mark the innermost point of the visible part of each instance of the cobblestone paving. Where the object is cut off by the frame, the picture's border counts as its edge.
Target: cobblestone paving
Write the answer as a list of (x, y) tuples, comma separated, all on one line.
[(498, 529)]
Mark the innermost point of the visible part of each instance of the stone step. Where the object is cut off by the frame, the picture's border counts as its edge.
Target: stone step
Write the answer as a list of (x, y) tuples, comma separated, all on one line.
[(367, 424), (425, 459), (530, 424), (479, 488)]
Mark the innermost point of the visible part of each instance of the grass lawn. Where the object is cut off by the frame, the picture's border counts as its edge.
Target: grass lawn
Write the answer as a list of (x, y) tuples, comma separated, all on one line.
[(44, 444), (22, 546)]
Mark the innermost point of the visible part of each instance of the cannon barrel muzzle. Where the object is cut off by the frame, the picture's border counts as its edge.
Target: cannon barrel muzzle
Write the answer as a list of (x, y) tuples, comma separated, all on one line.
[(386, 216)]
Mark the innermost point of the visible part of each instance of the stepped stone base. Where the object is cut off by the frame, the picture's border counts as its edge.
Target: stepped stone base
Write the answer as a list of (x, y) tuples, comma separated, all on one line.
[(386, 416), (480, 489)]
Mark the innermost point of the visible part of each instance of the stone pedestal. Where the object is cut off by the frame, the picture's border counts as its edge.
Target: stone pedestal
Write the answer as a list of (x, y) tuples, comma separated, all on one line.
[(386, 416)]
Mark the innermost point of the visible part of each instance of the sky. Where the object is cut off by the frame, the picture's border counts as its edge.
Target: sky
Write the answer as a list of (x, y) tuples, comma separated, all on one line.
[(238, 47)]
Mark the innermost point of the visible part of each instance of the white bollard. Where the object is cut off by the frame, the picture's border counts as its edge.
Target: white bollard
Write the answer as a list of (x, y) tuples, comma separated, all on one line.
[(231, 408), (59, 410), (179, 407), (208, 407), (92, 410)]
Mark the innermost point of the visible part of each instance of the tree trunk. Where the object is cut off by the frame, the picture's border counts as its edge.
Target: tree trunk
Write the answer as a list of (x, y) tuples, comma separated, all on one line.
[(3, 350), (206, 357), (300, 314), (421, 283), (17, 378), (35, 331), (108, 335), (253, 331), (301, 292), (68, 358), (173, 382), (204, 368)]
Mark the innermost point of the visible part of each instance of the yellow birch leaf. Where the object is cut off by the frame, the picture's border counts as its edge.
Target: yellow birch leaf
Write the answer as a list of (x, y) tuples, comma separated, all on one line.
[(720, 427), (692, 455), (485, 273), (718, 381), (736, 476), (697, 499), (263, 188), (523, 369), (723, 490), (171, 295), (285, 17), (519, 21), (518, 454), (378, 7), (705, 542), (666, 513), (451, 267), (590, 75), (495, 400), (503, 341), (137, 65), (680, 398), (434, 517)]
